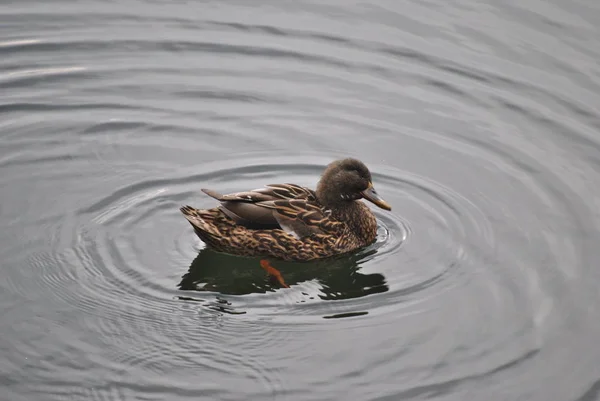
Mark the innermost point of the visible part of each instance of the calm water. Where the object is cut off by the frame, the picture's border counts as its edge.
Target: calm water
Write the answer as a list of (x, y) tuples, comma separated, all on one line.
[(479, 120)]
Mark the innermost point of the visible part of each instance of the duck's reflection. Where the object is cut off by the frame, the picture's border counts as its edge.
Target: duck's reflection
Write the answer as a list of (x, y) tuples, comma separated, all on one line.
[(338, 278)]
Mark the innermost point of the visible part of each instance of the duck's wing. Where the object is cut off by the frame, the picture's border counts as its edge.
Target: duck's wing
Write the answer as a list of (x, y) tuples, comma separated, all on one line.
[(301, 218), (248, 209), (267, 193)]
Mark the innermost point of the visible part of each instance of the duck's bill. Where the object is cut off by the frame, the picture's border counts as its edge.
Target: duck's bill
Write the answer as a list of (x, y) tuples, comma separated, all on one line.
[(372, 196)]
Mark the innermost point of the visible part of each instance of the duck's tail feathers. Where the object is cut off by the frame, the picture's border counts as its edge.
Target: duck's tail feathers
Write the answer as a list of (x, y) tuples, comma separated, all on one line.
[(202, 224)]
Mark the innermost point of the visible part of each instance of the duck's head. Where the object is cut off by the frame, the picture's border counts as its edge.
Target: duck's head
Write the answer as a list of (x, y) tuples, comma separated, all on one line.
[(345, 181)]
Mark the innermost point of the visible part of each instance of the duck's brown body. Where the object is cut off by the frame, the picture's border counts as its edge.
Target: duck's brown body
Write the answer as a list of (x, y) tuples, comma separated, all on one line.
[(289, 222)]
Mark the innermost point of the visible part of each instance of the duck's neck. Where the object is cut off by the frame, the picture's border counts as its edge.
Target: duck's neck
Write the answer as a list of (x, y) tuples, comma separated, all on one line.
[(359, 218)]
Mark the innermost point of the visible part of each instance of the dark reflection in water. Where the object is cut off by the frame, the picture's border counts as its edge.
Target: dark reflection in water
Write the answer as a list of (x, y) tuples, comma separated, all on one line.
[(338, 278)]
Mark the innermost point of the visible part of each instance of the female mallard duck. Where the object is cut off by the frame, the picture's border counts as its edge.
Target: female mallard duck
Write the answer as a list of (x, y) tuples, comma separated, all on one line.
[(290, 222)]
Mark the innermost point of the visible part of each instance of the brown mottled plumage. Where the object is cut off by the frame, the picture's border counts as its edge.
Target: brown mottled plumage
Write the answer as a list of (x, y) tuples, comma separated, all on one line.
[(290, 222)]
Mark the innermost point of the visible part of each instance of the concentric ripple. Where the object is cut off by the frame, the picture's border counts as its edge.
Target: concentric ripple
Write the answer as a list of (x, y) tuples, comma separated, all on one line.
[(478, 121)]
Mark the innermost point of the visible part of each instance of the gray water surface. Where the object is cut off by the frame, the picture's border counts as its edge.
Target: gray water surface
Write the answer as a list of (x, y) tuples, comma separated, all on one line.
[(480, 123)]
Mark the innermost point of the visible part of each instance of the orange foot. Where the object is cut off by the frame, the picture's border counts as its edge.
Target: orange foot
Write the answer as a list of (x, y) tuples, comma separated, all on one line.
[(273, 272)]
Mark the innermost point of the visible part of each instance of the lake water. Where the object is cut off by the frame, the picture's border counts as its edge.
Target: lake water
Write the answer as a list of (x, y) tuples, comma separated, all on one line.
[(479, 120)]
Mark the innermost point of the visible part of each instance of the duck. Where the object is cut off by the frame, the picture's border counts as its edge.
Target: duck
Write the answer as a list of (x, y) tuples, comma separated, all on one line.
[(294, 223)]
